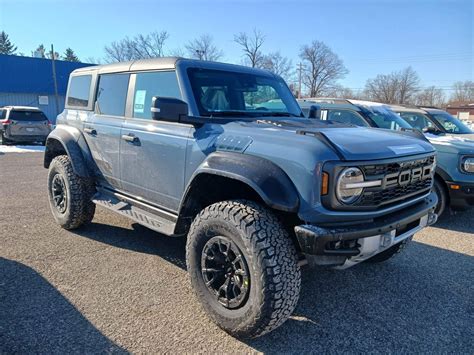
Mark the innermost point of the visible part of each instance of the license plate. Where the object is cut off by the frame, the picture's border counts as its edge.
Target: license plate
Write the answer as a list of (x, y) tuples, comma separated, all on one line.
[(30, 129)]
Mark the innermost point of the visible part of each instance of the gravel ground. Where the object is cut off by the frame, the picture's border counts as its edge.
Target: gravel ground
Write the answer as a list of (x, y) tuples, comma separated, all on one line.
[(115, 286)]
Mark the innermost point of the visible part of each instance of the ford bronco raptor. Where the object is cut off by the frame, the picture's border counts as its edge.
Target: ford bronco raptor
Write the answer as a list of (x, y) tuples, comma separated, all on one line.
[(222, 154)]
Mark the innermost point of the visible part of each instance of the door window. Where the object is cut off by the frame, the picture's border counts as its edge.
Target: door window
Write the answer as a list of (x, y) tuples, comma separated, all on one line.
[(112, 94), (346, 116), (416, 120), (147, 85)]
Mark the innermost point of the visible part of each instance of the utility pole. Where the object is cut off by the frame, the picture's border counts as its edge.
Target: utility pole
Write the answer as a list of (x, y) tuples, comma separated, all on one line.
[(300, 73), (56, 95)]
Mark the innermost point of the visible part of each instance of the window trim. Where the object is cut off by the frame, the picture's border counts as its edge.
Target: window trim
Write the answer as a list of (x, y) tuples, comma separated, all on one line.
[(90, 100)]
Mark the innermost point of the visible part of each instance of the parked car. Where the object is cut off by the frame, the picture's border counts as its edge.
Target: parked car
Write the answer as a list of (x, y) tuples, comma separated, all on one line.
[(190, 148), (20, 124), (355, 112), (454, 142)]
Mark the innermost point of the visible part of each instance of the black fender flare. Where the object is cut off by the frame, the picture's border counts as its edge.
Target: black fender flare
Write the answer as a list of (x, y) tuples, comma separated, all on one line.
[(266, 178), (73, 143), (443, 174)]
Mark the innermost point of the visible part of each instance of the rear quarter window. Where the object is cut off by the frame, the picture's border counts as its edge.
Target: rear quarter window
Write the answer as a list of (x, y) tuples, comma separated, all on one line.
[(79, 90)]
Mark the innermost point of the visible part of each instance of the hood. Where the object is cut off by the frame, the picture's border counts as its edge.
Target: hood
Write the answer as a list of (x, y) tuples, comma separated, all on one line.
[(454, 143), (352, 143), (373, 144)]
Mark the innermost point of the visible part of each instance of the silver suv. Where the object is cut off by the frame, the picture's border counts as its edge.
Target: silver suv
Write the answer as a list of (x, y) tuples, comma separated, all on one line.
[(23, 124)]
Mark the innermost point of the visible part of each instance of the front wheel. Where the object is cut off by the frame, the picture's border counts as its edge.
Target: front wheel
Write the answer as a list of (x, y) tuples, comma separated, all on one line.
[(69, 194), (243, 267)]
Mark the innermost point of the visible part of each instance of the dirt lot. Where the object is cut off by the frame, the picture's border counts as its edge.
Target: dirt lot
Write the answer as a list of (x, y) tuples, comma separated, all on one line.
[(117, 286)]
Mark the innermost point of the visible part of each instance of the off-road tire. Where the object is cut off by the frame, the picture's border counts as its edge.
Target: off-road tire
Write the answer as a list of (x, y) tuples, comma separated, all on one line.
[(442, 194), (79, 191), (390, 252), (275, 277)]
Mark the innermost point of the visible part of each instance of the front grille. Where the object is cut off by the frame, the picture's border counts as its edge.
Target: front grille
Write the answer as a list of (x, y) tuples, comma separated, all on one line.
[(391, 191)]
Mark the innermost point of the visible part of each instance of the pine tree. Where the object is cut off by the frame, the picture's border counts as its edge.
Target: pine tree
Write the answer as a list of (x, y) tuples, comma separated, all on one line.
[(6, 46), (70, 56)]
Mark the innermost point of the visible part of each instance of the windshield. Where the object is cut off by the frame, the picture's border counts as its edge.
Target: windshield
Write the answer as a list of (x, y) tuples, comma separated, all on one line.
[(451, 124), (227, 93), (384, 118)]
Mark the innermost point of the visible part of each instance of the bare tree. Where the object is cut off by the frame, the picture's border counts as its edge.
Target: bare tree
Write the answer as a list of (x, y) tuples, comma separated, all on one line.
[(322, 67), (463, 92), (92, 60), (251, 45), (278, 65), (139, 47), (342, 92), (394, 88), (202, 48), (431, 96), (408, 83)]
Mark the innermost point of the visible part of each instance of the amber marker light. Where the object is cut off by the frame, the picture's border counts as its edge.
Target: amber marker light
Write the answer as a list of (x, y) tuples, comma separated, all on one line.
[(325, 184)]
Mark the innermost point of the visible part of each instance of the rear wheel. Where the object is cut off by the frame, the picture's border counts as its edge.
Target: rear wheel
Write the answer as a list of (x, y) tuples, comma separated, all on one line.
[(442, 194), (243, 267), (69, 194), (2, 137)]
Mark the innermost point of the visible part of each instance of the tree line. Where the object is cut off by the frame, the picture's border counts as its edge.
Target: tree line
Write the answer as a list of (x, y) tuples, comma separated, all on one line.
[(318, 74)]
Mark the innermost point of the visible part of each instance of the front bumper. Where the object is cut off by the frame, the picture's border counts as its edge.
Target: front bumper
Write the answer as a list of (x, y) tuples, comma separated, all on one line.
[(461, 195), (357, 242)]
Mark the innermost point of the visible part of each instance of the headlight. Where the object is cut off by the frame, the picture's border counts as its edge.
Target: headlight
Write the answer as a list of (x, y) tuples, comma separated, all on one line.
[(348, 185), (467, 165)]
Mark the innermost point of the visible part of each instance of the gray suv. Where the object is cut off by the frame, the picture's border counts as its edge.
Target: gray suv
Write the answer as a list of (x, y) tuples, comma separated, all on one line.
[(222, 154), (21, 124)]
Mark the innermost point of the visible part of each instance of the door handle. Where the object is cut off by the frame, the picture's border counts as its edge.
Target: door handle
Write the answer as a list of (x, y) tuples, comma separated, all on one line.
[(90, 131), (130, 138)]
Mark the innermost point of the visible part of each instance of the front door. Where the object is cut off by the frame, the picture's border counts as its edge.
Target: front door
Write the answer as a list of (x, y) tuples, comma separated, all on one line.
[(102, 129), (152, 153)]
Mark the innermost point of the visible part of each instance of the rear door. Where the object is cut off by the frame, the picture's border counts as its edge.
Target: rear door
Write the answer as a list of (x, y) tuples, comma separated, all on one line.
[(28, 123), (102, 128), (152, 153)]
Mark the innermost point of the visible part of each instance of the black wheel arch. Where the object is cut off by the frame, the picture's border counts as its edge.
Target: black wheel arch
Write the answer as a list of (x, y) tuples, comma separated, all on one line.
[(69, 140), (244, 176)]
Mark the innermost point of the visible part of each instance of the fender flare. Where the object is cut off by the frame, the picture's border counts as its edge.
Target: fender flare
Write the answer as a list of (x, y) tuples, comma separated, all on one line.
[(73, 143), (443, 174), (266, 178)]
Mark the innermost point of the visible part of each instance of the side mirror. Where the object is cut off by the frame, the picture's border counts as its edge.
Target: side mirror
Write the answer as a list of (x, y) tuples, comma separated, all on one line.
[(168, 109), (315, 112)]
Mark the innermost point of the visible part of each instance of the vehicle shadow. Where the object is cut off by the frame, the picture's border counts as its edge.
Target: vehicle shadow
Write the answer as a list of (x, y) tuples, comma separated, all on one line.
[(37, 318), (140, 239), (460, 221), (418, 302)]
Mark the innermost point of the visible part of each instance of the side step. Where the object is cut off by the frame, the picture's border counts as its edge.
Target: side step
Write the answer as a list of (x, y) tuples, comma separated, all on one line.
[(148, 219)]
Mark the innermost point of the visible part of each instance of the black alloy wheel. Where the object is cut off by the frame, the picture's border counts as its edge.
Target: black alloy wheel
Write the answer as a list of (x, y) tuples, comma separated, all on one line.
[(225, 272)]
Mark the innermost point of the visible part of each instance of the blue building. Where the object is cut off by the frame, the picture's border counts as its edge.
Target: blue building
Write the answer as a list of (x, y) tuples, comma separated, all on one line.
[(26, 81)]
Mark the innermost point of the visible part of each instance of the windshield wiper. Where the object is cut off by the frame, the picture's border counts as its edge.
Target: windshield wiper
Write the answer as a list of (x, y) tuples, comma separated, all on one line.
[(277, 114), (230, 114)]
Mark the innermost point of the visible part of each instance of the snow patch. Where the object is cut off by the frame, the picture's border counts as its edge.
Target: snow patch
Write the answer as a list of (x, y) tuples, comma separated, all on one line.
[(21, 149)]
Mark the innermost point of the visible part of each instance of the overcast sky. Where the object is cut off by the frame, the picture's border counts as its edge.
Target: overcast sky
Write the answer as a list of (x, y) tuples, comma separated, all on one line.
[(372, 37)]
